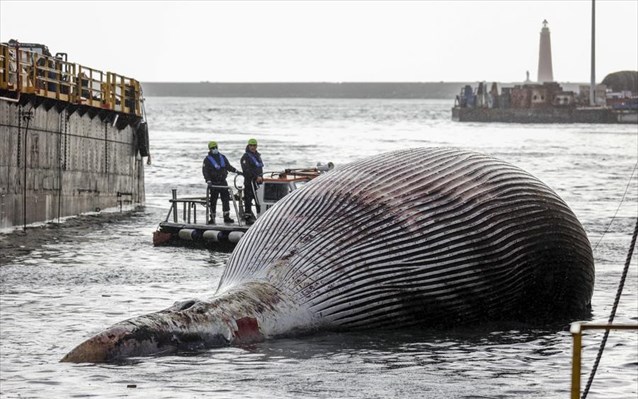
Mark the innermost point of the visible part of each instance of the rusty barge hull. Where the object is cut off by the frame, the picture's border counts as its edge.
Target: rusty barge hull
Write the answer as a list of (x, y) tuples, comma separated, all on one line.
[(60, 159)]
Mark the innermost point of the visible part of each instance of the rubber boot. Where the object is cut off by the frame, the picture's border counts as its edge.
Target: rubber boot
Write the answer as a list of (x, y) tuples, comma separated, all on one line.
[(227, 218), (249, 217)]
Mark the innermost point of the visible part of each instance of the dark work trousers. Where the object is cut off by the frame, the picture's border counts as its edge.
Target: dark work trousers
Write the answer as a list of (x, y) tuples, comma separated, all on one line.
[(221, 192), (249, 196)]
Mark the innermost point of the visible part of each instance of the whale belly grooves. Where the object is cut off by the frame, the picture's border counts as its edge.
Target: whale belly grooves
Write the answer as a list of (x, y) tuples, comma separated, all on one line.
[(431, 235), (417, 237)]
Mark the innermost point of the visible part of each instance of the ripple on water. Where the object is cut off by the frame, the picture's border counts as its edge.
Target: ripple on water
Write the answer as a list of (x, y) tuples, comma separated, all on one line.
[(62, 284)]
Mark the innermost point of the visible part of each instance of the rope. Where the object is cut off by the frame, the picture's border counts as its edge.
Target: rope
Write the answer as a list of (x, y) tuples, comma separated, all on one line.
[(63, 132), (26, 115), (613, 310), (617, 209)]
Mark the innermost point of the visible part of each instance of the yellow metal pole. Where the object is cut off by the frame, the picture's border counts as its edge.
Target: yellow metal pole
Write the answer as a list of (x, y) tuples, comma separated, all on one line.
[(58, 77), (112, 87), (108, 95), (35, 83), (576, 330), (4, 57), (122, 94), (138, 98), (576, 359)]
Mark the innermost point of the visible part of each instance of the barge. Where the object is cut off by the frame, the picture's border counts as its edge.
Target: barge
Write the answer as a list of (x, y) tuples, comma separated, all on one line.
[(185, 223), (74, 137)]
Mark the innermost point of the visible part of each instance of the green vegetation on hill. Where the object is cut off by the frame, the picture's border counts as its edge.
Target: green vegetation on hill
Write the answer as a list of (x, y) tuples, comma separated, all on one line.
[(622, 81)]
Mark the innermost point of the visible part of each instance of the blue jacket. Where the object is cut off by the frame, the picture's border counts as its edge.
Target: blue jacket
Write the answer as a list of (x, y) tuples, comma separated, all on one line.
[(251, 165), (216, 168)]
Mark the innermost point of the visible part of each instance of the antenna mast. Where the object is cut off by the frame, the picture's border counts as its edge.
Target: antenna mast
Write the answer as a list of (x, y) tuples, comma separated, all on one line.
[(592, 83)]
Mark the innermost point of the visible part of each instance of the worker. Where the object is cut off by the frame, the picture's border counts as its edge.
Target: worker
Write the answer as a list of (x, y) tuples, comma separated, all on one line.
[(252, 169), (215, 170)]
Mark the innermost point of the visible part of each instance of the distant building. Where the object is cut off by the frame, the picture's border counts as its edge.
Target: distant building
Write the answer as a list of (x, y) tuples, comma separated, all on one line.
[(525, 96), (545, 71), (600, 94)]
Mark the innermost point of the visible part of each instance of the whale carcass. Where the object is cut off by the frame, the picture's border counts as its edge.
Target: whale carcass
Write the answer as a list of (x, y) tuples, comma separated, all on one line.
[(430, 236)]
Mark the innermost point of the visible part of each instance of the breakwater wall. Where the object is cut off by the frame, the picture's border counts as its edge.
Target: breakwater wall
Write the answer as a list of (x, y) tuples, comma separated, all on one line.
[(536, 115), (381, 90), (406, 90)]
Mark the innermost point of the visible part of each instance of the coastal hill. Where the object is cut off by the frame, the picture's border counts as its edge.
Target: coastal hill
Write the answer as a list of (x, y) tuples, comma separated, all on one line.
[(399, 90), (622, 81)]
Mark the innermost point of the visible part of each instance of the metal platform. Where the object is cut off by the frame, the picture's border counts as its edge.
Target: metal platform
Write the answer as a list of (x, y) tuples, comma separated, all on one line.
[(189, 226), (217, 236)]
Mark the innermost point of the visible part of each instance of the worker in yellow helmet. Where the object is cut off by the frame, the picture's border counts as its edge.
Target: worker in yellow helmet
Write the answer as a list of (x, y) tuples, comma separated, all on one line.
[(253, 169), (215, 170)]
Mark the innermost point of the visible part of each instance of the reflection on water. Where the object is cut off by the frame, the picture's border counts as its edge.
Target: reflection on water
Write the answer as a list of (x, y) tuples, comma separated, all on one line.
[(61, 284)]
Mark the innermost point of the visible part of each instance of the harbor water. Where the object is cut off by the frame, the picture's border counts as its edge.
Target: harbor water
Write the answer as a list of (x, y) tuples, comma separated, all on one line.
[(60, 284)]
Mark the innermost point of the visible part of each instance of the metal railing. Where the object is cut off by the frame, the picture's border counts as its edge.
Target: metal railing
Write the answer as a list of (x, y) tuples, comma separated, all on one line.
[(189, 207), (577, 336), (24, 71)]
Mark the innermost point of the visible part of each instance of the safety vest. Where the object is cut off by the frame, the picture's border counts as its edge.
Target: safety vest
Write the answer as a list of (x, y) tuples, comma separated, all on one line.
[(255, 161), (215, 164)]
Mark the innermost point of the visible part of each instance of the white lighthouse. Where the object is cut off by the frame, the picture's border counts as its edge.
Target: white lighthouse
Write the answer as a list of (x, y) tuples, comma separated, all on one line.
[(545, 72)]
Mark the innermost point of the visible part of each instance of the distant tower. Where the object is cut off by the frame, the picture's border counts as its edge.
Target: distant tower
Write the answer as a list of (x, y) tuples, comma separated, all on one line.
[(545, 73)]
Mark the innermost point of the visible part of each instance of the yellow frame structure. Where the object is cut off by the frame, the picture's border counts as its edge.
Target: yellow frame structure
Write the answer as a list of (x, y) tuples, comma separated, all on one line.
[(23, 71), (576, 330)]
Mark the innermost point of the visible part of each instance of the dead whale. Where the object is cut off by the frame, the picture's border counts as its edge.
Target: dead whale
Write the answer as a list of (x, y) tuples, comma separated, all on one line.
[(429, 236)]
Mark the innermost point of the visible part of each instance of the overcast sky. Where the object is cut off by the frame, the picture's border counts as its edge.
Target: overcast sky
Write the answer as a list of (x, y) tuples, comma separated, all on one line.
[(329, 41)]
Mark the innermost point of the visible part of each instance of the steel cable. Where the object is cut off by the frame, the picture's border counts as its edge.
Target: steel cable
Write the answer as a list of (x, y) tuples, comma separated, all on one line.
[(617, 209), (613, 310)]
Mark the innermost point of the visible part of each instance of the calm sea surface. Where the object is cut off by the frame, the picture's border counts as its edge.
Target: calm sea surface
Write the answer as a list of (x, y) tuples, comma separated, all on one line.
[(67, 283)]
